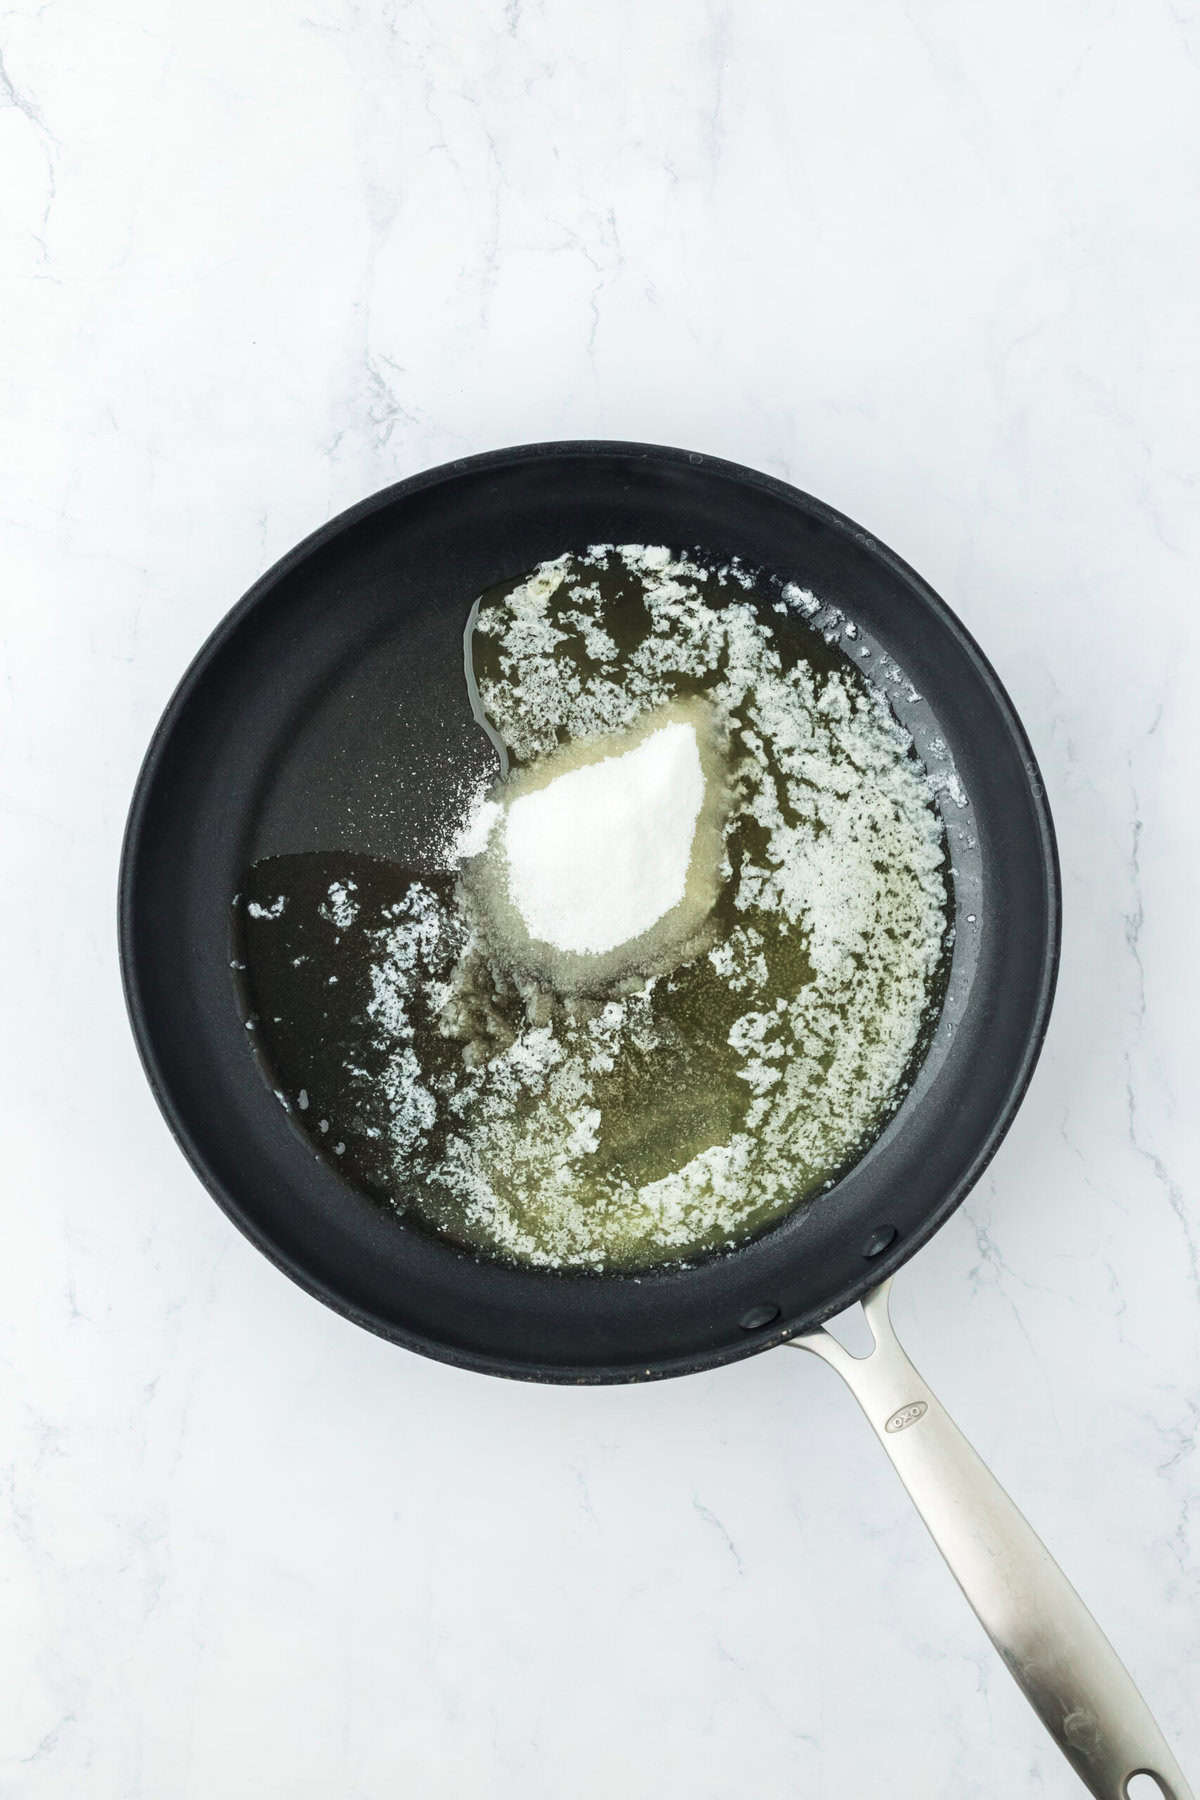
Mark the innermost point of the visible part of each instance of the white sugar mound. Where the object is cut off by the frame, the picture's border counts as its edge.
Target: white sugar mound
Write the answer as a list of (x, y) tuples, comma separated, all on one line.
[(601, 853), (602, 858)]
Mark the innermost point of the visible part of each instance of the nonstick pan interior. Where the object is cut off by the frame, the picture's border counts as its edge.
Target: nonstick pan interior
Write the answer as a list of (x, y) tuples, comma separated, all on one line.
[(328, 712)]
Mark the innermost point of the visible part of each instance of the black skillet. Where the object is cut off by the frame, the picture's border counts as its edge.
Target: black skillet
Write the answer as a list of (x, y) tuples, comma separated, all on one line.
[(328, 711)]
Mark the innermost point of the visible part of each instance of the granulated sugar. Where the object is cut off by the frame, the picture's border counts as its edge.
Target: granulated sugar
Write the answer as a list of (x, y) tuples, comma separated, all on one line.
[(599, 854)]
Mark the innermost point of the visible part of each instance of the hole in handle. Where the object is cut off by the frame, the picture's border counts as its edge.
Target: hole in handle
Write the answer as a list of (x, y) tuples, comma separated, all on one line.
[(1144, 1786), (852, 1332)]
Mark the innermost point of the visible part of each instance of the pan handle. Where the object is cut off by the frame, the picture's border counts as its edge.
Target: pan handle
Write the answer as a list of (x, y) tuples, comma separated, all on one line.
[(1070, 1673)]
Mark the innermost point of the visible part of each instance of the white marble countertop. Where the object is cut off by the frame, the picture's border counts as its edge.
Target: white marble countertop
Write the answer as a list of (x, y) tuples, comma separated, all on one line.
[(937, 265)]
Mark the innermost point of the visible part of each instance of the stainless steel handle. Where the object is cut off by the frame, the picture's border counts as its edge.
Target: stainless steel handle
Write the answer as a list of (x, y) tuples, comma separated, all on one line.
[(1056, 1652)]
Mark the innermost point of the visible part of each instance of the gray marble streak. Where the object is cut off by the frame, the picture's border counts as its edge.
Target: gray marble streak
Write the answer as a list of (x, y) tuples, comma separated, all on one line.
[(936, 265)]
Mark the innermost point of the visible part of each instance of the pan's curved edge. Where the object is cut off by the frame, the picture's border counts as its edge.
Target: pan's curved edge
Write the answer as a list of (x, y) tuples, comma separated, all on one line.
[(586, 1375)]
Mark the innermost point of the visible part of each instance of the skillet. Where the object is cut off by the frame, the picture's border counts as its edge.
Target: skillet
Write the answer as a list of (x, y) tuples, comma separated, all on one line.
[(323, 714)]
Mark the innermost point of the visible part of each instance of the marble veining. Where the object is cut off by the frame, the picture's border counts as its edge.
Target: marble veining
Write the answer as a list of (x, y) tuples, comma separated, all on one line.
[(934, 264)]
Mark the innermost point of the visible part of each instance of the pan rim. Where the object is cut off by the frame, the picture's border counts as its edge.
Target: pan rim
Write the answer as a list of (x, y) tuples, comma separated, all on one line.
[(588, 1374)]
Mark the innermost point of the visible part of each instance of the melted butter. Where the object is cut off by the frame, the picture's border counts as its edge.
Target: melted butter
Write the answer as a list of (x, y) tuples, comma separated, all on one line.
[(671, 1100)]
